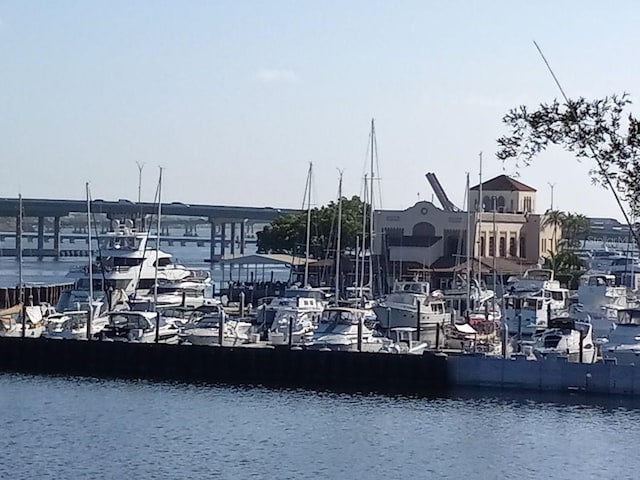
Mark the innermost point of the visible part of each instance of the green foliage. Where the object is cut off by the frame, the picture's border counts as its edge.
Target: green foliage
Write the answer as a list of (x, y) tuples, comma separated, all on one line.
[(565, 265), (287, 234), (598, 130)]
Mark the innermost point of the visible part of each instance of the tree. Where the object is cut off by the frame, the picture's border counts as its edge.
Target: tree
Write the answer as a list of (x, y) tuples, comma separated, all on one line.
[(575, 228), (565, 264), (600, 130), (287, 234), (555, 219)]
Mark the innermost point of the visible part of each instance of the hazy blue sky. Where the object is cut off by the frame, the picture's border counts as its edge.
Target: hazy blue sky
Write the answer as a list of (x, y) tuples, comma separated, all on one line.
[(235, 98)]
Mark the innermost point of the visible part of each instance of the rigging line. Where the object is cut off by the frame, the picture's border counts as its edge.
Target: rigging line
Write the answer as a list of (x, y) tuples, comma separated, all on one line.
[(603, 172), (95, 229), (377, 177), (146, 243)]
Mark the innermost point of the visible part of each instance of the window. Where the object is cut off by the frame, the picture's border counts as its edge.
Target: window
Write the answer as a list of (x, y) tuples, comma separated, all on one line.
[(482, 246), (512, 247), (523, 247), (492, 247), (486, 203), (503, 247)]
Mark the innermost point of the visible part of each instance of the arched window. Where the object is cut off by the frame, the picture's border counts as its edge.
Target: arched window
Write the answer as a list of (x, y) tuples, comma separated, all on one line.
[(486, 203), (501, 203), (424, 229)]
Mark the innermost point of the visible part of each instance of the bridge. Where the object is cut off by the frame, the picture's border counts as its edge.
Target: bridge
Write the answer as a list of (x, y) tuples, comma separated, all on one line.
[(221, 218)]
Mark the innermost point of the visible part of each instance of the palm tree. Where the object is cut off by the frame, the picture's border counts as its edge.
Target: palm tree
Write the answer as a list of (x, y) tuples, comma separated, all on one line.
[(555, 219), (575, 228)]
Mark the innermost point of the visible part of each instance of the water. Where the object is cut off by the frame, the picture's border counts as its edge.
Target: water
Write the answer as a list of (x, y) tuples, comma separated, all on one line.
[(83, 428)]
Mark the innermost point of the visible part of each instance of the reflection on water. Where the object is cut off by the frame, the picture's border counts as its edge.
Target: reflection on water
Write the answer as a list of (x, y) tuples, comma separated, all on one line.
[(70, 428)]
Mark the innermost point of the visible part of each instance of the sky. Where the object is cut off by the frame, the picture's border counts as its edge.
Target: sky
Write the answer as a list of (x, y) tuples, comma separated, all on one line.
[(235, 98)]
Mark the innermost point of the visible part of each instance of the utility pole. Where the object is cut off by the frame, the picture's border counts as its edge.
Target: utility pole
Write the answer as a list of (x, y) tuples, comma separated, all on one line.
[(551, 185)]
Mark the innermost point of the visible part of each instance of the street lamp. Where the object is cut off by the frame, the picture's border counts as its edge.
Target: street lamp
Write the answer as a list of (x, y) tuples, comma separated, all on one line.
[(552, 185)]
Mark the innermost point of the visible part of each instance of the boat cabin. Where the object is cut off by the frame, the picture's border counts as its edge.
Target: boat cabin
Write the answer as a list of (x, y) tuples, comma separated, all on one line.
[(348, 316), (628, 317)]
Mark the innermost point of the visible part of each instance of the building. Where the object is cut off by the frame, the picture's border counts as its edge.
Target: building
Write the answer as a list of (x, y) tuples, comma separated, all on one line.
[(507, 232)]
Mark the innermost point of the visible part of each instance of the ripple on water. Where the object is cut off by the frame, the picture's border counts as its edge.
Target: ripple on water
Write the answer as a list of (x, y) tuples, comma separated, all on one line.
[(83, 428)]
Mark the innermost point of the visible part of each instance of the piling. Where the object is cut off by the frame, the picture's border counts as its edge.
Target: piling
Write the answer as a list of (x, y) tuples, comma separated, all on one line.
[(290, 339), (360, 330), (418, 314), (221, 329), (241, 304)]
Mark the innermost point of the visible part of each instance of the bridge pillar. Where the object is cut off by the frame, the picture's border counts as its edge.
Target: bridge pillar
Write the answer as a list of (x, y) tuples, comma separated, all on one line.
[(212, 246), (56, 235), (41, 233), (243, 227), (233, 238), (223, 238)]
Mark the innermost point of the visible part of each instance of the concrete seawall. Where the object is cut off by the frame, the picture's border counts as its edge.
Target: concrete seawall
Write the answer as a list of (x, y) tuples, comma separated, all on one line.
[(470, 371), (415, 374)]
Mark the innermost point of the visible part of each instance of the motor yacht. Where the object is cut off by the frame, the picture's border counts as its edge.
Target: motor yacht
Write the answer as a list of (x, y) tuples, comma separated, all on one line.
[(339, 329), (601, 298), (133, 326), (531, 300), (566, 338), (72, 325), (203, 328), (126, 262), (400, 309), (623, 345)]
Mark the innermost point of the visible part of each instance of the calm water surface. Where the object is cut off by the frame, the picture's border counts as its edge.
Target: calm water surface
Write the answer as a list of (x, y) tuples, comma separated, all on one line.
[(81, 428)]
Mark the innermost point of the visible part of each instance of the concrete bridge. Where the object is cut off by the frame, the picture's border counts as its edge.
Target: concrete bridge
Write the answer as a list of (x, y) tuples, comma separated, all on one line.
[(221, 218)]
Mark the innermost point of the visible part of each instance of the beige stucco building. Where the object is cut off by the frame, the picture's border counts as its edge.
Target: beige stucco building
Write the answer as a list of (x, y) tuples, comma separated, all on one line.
[(508, 228)]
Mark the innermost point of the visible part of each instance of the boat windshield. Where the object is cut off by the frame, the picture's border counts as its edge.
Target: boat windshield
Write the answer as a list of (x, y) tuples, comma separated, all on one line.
[(128, 243), (340, 316), (129, 321), (304, 293), (628, 317), (541, 275)]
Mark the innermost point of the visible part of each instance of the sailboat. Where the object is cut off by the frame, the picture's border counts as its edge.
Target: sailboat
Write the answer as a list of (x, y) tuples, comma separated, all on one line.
[(21, 321)]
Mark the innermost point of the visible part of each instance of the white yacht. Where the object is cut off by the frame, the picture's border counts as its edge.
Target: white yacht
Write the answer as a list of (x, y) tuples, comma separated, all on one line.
[(126, 262), (601, 299), (132, 326), (400, 309), (203, 328), (623, 345), (11, 322), (531, 299), (338, 330), (566, 337), (72, 325), (188, 292)]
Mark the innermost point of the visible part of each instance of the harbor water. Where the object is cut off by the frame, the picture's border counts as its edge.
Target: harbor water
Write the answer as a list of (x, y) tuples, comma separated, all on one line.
[(84, 428)]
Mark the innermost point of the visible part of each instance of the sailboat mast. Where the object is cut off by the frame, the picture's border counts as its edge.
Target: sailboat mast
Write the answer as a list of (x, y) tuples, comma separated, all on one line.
[(365, 200), (373, 143), (481, 210), (339, 239), (20, 282), (468, 268), (155, 283), (20, 285), (90, 266), (308, 240)]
